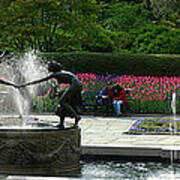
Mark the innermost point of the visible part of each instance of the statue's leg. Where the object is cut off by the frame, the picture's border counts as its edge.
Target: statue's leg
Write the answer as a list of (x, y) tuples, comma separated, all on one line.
[(76, 121), (59, 112), (77, 102), (61, 124), (67, 98), (77, 117)]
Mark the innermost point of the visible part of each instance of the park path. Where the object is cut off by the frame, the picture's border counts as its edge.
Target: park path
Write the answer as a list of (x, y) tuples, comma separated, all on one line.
[(106, 130), (104, 136)]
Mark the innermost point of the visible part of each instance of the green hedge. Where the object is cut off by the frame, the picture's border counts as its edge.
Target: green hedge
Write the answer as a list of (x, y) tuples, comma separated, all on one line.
[(120, 64)]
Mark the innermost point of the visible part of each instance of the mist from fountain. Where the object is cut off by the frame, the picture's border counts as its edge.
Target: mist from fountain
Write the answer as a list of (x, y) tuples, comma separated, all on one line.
[(173, 104), (173, 125), (21, 69)]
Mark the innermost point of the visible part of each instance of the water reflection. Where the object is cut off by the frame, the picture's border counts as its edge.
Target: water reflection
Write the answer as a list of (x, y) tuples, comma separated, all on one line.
[(116, 170), (121, 170)]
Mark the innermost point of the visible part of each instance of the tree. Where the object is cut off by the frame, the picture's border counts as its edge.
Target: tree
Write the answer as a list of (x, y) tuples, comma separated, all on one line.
[(167, 11), (41, 24), (124, 16)]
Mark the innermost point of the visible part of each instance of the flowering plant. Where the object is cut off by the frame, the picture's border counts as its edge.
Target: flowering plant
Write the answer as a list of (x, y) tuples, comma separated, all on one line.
[(148, 94), (155, 126)]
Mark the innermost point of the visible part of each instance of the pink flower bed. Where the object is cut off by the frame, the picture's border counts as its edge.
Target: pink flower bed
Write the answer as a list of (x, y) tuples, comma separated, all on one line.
[(149, 94)]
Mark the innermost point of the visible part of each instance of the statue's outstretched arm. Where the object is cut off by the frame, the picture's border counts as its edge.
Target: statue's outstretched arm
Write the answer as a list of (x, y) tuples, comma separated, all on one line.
[(2, 81), (37, 81)]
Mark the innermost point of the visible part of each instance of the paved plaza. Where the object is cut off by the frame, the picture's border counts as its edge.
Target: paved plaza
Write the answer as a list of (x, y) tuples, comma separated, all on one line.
[(107, 130), (104, 135)]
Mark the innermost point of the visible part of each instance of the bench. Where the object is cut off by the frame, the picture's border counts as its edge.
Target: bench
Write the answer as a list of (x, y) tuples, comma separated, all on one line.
[(91, 105), (89, 102)]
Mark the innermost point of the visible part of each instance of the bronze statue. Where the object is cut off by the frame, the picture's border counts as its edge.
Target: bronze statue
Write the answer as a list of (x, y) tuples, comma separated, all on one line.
[(70, 99)]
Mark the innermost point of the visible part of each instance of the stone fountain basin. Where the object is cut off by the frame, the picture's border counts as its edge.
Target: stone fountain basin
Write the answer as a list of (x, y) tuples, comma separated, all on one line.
[(28, 122), (38, 148)]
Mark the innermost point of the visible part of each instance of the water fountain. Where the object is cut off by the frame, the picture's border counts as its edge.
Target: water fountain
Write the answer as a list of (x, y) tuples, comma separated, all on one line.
[(173, 152), (32, 144)]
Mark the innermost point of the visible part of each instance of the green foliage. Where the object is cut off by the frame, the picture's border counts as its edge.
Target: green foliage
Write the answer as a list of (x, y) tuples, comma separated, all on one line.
[(41, 24), (163, 9), (134, 29), (45, 104), (120, 64), (124, 16), (155, 39), (120, 41), (118, 26), (102, 42)]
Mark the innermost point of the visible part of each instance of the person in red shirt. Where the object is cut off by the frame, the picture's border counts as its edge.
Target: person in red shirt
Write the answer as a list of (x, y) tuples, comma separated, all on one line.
[(119, 98)]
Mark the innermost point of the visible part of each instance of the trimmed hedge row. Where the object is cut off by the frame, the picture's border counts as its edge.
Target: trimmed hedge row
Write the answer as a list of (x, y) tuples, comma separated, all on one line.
[(120, 64)]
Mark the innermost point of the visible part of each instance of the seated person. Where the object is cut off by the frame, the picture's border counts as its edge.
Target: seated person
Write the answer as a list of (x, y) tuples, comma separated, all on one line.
[(105, 97), (119, 98)]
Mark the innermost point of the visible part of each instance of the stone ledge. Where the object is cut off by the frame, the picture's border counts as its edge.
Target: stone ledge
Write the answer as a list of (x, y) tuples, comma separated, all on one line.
[(132, 151), (40, 152)]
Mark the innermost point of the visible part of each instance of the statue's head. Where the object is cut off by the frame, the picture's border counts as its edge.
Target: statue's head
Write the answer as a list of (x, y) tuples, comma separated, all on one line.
[(6, 52), (54, 66)]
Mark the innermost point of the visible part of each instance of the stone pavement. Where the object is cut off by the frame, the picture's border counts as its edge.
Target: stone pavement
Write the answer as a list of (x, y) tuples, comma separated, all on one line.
[(104, 136)]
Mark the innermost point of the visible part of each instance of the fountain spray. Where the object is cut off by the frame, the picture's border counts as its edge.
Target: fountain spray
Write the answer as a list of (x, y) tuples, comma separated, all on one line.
[(21, 70), (173, 154)]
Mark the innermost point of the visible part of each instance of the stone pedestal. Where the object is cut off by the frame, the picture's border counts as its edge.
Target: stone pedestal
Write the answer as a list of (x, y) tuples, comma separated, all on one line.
[(49, 152)]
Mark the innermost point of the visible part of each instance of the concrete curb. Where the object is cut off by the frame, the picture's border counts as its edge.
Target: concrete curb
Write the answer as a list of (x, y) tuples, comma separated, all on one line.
[(132, 151)]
